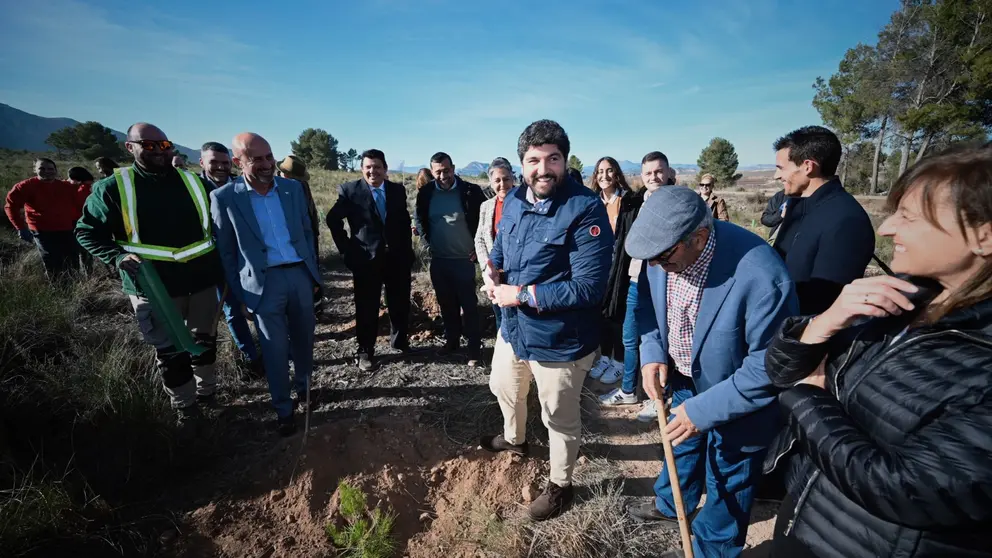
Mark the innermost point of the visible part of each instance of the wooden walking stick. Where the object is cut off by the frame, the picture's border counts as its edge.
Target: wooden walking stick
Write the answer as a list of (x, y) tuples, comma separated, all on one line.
[(673, 478)]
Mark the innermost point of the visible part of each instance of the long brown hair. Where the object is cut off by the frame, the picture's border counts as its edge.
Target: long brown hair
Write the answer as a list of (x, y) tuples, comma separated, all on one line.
[(962, 176), (424, 177), (621, 180)]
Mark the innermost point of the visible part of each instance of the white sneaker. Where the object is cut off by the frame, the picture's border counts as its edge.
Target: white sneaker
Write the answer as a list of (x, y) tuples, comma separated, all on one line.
[(597, 370), (613, 374), (618, 397), (649, 412)]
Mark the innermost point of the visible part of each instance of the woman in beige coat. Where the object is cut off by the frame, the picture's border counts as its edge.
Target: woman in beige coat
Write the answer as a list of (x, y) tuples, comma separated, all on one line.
[(501, 181)]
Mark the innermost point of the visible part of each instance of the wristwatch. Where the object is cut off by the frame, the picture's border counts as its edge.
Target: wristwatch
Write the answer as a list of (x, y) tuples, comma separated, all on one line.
[(523, 297)]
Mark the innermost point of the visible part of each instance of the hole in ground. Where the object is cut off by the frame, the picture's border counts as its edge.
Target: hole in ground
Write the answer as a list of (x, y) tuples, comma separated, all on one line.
[(446, 498)]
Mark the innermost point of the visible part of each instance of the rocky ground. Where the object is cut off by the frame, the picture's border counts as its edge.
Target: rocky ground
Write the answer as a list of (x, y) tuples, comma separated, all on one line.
[(407, 433)]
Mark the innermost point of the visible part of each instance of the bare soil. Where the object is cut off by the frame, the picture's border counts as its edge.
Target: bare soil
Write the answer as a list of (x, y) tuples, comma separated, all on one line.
[(407, 434)]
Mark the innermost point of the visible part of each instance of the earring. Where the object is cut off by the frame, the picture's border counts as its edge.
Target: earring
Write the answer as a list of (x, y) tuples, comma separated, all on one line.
[(980, 251)]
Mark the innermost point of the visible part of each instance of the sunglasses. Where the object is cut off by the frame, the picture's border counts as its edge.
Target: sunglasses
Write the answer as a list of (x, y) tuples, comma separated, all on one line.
[(153, 145)]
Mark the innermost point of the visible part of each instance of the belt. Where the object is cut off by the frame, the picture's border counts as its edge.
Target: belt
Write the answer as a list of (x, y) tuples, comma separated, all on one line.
[(286, 265)]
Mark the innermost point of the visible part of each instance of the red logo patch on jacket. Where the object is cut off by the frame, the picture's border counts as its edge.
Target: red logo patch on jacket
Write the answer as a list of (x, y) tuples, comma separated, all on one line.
[(594, 231)]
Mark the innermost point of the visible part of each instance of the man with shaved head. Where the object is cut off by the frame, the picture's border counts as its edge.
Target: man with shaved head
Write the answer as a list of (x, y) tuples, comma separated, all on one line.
[(266, 244), (151, 212)]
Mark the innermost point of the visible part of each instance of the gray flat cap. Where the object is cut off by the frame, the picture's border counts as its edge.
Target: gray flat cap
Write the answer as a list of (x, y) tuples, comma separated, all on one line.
[(667, 217)]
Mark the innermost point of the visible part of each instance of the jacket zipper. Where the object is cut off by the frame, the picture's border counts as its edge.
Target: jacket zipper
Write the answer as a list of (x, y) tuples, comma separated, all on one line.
[(801, 501)]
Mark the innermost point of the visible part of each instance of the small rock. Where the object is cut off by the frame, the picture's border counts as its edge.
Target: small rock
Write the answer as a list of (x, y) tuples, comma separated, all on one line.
[(425, 517), (289, 541), (435, 469), (582, 460), (401, 477), (529, 494), (168, 536), (516, 458), (290, 518), (277, 495)]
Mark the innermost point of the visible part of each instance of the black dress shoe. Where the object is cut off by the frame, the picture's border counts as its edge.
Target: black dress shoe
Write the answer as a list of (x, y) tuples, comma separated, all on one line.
[(646, 512), (365, 363)]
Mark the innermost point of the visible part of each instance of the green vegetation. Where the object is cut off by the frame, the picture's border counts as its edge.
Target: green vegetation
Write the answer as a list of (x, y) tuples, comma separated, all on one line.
[(575, 163), (925, 84), (364, 533), (719, 158), (88, 140)]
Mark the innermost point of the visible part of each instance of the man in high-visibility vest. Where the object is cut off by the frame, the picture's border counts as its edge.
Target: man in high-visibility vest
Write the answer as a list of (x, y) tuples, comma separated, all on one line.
[(154, 212)]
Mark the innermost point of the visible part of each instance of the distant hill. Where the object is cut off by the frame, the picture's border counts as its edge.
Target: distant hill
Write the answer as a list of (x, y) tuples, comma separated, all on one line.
[(22, 130)]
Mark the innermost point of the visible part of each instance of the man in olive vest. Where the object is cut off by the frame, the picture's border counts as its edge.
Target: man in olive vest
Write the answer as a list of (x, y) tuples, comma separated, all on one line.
[(154, 212)]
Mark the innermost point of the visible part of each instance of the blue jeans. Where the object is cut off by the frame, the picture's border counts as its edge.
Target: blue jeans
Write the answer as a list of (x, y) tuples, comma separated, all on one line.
[(729, 475), (631, 366), (238, 324), (285, 326)]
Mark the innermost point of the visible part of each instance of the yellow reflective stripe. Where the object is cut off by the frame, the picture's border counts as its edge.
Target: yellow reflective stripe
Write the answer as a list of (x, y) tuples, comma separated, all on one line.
[(199, 195), (125, 184), (166, 253)]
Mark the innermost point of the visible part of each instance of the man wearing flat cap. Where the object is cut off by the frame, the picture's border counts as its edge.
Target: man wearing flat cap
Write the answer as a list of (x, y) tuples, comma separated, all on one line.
[(712, 296)]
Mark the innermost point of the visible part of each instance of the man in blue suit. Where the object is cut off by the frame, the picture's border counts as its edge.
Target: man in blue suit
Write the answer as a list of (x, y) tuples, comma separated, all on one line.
[(266, 245), (716, 295)]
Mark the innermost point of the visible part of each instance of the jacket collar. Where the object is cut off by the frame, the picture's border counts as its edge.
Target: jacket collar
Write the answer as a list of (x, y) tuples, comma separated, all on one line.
[(825, 192), (974, 318)]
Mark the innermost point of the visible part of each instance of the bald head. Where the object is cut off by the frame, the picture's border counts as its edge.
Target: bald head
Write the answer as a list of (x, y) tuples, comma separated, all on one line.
[(151, 149), (145, 131), (253, 155)]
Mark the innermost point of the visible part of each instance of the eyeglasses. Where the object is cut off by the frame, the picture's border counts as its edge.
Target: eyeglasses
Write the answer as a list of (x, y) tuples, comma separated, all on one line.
[(667, 254), (155, 145), (706, 184)]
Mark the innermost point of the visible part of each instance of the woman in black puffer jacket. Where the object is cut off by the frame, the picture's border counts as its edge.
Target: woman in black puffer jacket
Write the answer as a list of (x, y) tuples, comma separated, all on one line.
[(891, 420)]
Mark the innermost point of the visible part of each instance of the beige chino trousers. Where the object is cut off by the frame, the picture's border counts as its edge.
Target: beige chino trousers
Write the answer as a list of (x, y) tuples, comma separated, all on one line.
[(559, 389)]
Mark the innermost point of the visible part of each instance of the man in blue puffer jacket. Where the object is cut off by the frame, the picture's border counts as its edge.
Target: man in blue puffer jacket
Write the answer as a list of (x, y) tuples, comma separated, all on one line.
[(547, 271)]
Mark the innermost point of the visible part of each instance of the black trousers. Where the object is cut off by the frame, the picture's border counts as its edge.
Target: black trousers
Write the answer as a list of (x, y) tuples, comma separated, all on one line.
[(611, 339), (59, 251), (369, 280)]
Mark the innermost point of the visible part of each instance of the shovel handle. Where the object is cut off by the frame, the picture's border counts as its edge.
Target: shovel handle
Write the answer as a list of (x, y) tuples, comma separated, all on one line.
[(673, 477)]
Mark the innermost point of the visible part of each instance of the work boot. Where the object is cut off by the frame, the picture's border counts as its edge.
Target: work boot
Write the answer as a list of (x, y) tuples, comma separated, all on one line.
[(498, 443), (552, 502)]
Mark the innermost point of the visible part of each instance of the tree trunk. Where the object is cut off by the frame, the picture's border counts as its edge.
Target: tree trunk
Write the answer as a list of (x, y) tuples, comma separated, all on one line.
[(923, 147), (906, 149), (878, 155), (847, 160)]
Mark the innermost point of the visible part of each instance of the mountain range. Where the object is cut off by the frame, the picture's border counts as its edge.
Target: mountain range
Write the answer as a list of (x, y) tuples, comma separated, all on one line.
[(21, 130)]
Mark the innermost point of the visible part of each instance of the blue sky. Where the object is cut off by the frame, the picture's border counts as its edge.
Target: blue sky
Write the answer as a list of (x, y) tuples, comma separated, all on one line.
[(415, 77)]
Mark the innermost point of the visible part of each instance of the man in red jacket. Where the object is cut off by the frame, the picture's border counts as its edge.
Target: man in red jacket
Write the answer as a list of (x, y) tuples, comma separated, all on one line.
[(51, 208)]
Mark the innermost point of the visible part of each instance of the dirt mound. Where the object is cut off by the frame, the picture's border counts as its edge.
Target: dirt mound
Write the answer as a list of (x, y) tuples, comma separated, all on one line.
[(433, 487)]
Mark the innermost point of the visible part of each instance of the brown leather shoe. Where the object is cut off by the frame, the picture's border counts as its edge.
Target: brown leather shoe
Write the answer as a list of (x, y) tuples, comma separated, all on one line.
[(552, 502), (498, 443)]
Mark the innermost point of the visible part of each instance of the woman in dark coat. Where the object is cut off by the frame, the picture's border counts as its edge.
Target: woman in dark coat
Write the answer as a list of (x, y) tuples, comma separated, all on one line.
[(889, 393), (610, 183)]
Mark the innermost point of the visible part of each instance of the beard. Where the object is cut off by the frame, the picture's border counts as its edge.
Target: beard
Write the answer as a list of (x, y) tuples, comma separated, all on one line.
[(544, 190), (155, 163)]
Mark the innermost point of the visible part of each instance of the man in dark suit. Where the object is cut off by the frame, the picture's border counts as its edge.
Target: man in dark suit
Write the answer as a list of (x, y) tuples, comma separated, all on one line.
[(378, 252)]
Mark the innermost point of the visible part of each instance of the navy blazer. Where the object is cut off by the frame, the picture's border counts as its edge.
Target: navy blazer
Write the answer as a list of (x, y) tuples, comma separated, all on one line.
[(240, 241), (747, 296)]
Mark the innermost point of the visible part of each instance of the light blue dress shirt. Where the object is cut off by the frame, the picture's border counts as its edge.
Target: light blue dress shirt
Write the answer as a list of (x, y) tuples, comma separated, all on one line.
[(379, 197), (272, 221)]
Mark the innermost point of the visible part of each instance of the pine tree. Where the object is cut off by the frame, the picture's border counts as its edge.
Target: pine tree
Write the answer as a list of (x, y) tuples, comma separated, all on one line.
[(719, 158)]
